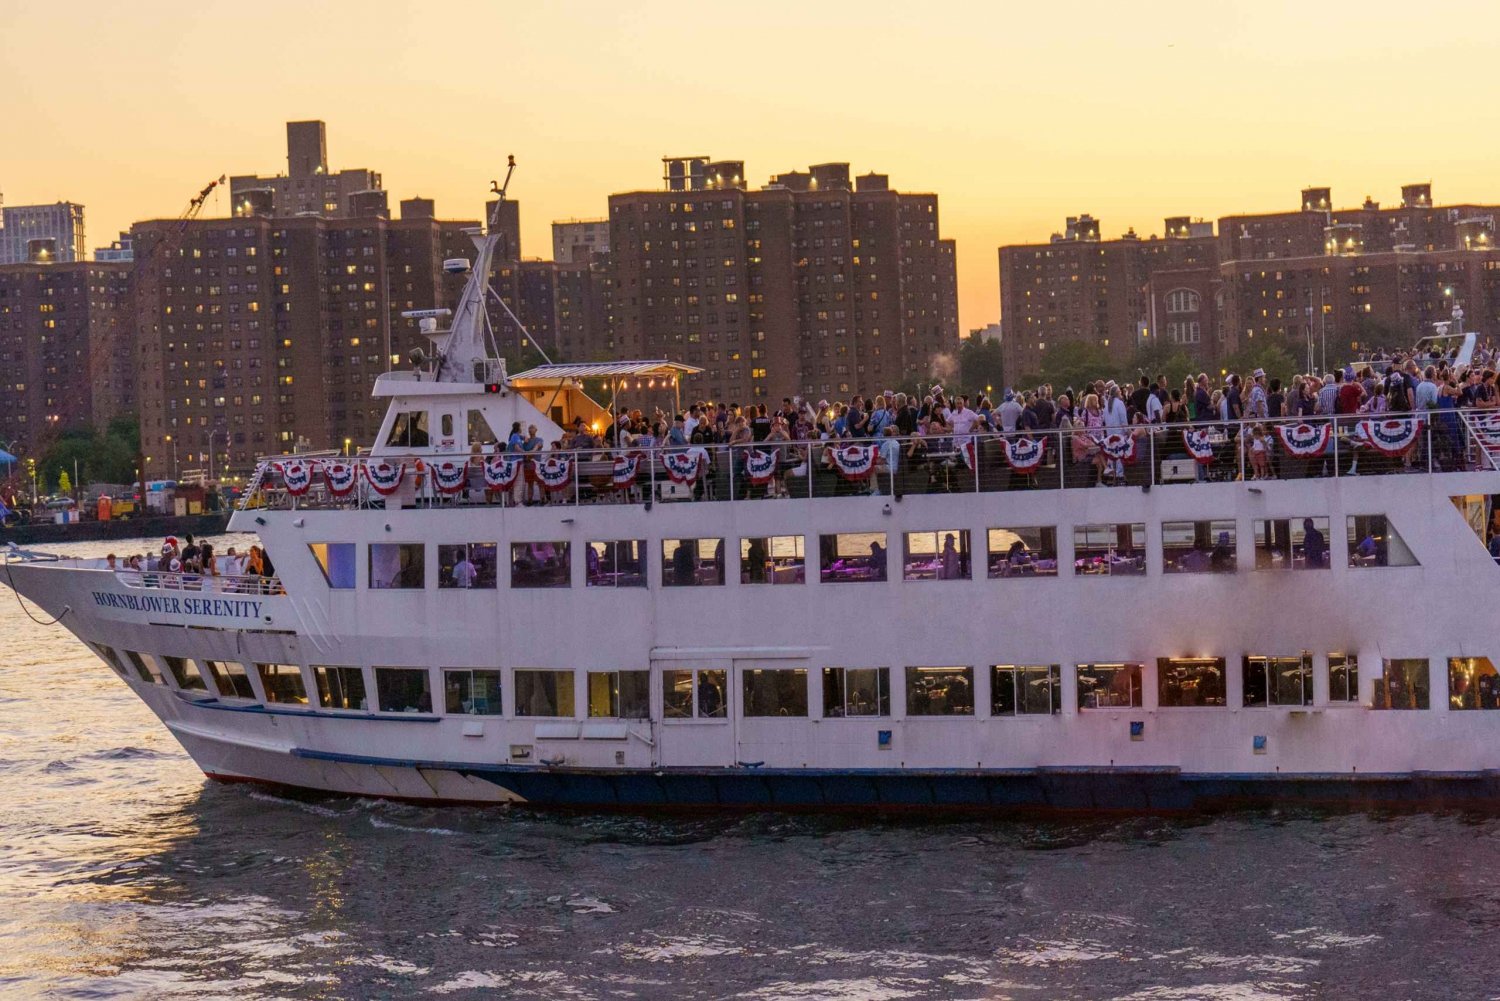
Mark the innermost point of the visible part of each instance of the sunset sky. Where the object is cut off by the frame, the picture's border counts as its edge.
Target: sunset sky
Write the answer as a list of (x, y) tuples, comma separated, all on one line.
[(1017, 114)]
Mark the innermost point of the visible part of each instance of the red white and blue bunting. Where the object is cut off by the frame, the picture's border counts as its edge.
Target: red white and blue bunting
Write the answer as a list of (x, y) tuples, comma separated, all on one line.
[(450, 476), (760, 466), (1025, 455), (625, 470), (1392, 436), (297, 474), (969, 449), (1199, 445), (384, 477), (1305, 440), (854, 462), (555, 472), (1118, 446), (341, 476), (501, 471), (684, 467)]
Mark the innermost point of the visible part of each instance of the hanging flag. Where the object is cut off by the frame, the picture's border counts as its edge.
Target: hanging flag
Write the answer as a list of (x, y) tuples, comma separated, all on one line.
[(1118, 446), (1390, 436), (297, 474), (760, 466), (969, 449), (501, 471), (341, 476), (555, 472), (1305, 440), (451, 475), (1025, 454), (684, 467), (854, 462), (1199, 445), (383, 476), (627, 467)]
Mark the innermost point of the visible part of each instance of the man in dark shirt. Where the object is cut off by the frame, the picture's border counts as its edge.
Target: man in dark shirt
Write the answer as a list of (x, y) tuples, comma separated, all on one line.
[(1314, 546), (1235, 402), (1203, 403), (1046, 410), (1138, 397)]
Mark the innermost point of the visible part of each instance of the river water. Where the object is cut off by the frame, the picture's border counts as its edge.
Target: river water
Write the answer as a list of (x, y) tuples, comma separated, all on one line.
[(125, 874)]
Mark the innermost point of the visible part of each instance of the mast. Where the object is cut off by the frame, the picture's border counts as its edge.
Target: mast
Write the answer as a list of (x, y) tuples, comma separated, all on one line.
[(463, 349)]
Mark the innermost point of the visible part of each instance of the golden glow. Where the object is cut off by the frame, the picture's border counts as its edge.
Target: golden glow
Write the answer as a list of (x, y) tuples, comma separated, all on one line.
[(593, 96)]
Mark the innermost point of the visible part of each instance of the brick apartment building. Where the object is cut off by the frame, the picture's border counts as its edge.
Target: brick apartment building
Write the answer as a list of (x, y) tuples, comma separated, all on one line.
[(816, 284), (64, 350)]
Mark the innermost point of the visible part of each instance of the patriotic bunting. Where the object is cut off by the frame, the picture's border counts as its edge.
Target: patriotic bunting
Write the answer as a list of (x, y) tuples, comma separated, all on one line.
[(1393, 436), (297, 474), (554, 472), (450, 476), (969, 449), (854, 462), (626, 468), (1198, 445), (1025, 454), (760, 466), (684, 467), (1118, 446), (384, 477), (341, 476), (1305, 440), (501, 471)]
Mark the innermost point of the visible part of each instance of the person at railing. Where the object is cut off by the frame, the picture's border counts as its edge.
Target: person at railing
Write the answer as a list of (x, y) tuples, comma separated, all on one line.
[(1260, 453)]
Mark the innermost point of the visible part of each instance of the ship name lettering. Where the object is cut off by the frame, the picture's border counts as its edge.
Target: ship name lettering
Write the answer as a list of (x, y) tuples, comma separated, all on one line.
[(172, 605)]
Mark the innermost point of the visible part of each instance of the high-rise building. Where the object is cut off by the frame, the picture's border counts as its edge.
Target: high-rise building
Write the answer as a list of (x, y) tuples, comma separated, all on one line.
[(308, 187), (61, 331), (575, 240), (42, 234), (811, 286)]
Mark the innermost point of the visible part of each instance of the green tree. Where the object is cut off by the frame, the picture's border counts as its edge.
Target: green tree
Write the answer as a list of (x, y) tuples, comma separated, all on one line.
[(1070, 365), (1270, 354), (979, 366), (64, 483), (1162, 358)]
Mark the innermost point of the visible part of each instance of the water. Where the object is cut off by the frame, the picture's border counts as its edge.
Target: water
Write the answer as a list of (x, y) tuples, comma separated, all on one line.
[(124, 874)]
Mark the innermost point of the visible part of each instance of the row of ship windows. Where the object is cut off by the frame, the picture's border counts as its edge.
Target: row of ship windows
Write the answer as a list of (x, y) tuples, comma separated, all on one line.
[(852, 557), (705, 693)]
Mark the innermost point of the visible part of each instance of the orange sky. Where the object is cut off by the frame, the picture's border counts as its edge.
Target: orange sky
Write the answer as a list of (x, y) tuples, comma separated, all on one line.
[(1017, 114)]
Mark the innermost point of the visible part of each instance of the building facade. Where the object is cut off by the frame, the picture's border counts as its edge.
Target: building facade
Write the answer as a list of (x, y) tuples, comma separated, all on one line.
[(577, 240), (42, 234), (308, 187)]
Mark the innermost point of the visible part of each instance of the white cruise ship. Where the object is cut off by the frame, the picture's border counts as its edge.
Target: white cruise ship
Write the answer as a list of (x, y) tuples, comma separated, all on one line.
[(837, 625)]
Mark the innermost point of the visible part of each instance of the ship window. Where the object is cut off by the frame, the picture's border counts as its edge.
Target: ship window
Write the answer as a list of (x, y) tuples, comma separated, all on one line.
[(1025, 690), (1023, 552), (403, 690), (851, 557), (775, 692), (340, 687), (471, 692), (1291, 544), (480, 432), (539, 564), (110, 657), (1109, 686), (1198, 546), (336, 560), (941, 555), (544, 693), (186, 674), (1402, 684), (230, 678), (409, 431), (620, 694), (397, 565), (146, 667), (1374, 542), (940, 691), (1190, 681), (446, 423), (1111, 550), (617, 563), (282, 683), (776, 559), (1343, 677), (850, 692), (694, 694), (1472, 683), (692, 562), (468, 566), (1278, 681)]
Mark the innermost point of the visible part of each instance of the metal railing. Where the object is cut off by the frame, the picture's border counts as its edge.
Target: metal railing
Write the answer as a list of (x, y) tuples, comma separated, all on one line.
[(215, 583), (1142, 455)]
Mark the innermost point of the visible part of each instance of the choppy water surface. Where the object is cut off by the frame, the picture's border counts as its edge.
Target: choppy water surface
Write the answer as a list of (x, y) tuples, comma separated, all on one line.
[(123, 873)]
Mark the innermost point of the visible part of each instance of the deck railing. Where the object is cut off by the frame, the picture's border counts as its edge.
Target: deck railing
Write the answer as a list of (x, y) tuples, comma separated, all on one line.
[(1142, 455)]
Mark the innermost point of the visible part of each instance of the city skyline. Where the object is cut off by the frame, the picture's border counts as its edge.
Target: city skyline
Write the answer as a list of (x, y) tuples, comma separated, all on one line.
[(1014, 117)]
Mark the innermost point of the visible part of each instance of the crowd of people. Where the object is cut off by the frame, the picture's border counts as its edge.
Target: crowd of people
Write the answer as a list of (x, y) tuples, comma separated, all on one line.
[(192, 565)]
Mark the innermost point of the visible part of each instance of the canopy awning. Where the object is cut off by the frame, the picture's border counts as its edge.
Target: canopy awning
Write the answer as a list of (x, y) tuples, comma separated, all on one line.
[(655, 369), (6, 458)]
